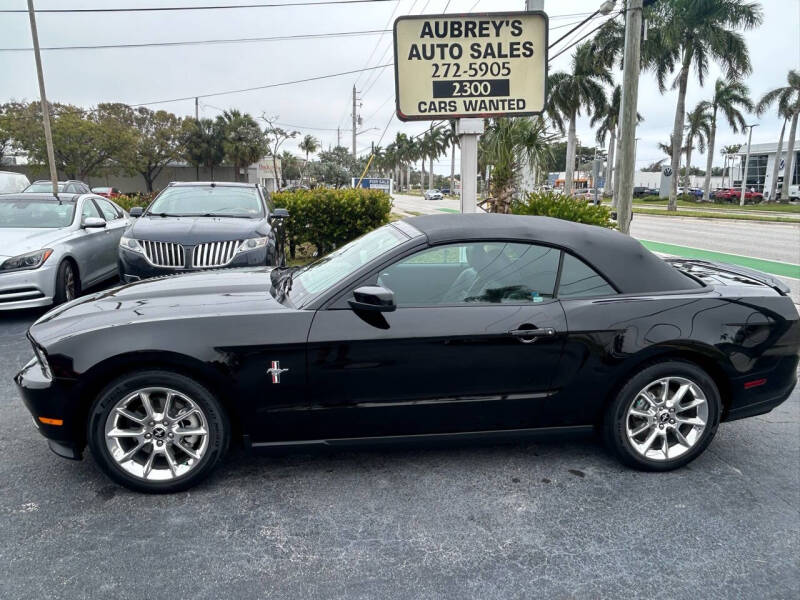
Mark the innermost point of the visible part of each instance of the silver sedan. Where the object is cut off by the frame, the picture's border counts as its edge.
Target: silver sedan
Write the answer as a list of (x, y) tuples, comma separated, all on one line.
[(52, 248)]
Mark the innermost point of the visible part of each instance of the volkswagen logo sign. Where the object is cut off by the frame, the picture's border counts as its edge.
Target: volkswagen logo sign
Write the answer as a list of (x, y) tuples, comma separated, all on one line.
[(667, 171)]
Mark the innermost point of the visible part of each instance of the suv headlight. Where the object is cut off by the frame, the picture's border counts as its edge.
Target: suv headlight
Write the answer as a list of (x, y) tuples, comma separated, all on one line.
[(31, 260), (252, 244), (130, 244)]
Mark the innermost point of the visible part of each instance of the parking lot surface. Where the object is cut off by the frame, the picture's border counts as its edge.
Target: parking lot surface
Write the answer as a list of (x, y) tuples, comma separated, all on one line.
[(554, 519)]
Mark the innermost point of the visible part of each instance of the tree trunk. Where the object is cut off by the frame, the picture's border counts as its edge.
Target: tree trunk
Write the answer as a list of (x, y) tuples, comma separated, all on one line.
[(275, 172), (776, 166), (617, 154), (710, 159), (677, 130), (422, 174), (787, 174), (570, 166), (148, 181), (612, 141), (430, 172), (687, 181), (408, 176)]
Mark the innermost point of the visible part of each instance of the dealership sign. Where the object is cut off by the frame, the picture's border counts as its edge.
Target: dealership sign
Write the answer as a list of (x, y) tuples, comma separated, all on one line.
[(478, 65)]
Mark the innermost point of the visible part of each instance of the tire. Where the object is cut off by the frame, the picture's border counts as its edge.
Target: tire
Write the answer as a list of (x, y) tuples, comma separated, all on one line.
[(670, 436), (68, 283), (181, 452)]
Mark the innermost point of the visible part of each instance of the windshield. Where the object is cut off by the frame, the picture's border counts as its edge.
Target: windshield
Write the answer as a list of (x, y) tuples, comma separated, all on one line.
[(328, 271), (35, 213), (197, 201), (43, 187)]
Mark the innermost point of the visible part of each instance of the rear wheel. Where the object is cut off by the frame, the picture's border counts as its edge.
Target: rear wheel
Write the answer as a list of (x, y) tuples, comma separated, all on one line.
[(663, 417), (157, 431), (68, 284)]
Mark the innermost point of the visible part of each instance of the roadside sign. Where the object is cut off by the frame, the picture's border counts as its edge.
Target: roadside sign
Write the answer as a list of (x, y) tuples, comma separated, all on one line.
[(374, 183), (470, 65)]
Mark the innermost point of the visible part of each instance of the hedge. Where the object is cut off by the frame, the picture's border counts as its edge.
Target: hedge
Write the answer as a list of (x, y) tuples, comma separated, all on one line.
[(549, 204), (328, 218), (129, 201)]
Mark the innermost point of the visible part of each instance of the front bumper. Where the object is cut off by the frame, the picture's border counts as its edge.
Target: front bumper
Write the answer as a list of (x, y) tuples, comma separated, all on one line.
[(51, 401), (29, 288), (133, 266)]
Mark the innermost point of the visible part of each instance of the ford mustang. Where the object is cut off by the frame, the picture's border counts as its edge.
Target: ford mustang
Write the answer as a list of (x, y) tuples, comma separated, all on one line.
[(432, 327)]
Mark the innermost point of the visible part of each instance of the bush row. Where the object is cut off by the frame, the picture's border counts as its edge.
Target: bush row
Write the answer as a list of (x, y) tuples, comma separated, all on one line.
[(329, 218), (129, 201), (549, 204)]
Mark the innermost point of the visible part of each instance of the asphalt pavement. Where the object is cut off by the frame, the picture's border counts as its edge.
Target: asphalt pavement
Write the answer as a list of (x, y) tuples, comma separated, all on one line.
[(555, 519)]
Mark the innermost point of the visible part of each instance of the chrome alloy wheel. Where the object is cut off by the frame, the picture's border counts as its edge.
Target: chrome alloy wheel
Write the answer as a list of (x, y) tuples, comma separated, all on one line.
[(667, 418), (69, 283), (156, 434)]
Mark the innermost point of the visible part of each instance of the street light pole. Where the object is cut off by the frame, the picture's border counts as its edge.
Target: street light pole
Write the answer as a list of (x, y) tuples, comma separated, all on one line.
[(747, 163), (48, 134), (628, 120)]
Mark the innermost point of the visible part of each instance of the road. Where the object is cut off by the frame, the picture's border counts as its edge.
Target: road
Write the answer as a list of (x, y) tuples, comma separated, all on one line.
[(757, 239), (558, 519)]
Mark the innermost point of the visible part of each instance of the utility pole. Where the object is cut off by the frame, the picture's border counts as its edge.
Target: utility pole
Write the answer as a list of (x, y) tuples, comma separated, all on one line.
[(355, 119), (747, 164), (197, 121), (627, 125), (48, 134), (338, 136)]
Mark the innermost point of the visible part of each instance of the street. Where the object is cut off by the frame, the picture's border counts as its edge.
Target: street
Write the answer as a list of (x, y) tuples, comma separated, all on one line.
[(551, 519)]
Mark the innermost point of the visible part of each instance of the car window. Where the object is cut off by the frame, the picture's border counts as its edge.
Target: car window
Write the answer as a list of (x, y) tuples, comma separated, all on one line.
[(474, 273), (35, 213), (578, 280), (89, 210), (109, 211)]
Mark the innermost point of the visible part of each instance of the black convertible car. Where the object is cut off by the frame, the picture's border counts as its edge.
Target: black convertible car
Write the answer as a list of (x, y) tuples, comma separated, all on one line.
[(436, 326)]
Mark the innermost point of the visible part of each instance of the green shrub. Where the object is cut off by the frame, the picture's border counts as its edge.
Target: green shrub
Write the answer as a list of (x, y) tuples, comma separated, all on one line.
[(328, 218), (549, 204), (129, 201)]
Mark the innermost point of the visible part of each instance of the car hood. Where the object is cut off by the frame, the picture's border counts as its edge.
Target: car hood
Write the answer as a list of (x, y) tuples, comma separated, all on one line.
[(196, 230), (18, 240), (190, 296)]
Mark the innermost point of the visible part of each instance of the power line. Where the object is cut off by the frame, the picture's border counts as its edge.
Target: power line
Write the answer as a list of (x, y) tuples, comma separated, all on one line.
[(258, 87), (192, 8), (583, 37), (281, 38)]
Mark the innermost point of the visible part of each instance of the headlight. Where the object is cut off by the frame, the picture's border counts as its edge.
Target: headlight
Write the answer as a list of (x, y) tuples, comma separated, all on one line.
[(31, 260), (42, 361), (252, 244), (130, 244)]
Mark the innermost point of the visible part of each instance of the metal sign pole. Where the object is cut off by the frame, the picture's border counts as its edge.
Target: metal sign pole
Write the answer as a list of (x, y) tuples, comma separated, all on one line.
[(468, 131)]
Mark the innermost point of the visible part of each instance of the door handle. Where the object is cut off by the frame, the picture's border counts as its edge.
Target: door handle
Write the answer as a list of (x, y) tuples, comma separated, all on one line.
[(528, 336)]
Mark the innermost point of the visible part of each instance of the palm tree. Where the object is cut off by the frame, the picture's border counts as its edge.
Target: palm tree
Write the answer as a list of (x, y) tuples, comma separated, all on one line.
[(726, 151), (607, 127), (788, 101), (689, 33), (403, 145), (698, 129), (309, 144), (570, 92), (509, 145), (728, 97), (433, 143)]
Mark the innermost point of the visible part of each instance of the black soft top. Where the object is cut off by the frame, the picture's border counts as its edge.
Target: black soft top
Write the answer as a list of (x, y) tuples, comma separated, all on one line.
[(628, 265)]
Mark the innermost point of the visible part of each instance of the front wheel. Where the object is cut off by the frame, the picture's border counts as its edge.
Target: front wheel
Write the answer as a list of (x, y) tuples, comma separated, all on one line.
[(664, 417), (68, 284), (157, 431)]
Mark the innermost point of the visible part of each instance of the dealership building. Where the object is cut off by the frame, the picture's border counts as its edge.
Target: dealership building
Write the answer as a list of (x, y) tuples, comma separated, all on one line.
[(762, 161)]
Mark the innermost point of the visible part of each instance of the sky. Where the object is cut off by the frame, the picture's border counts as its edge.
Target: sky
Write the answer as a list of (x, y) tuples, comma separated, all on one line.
[(140, 75)]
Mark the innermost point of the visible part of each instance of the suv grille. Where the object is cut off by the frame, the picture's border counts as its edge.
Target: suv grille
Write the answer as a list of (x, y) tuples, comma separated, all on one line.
[(215, 254), (164, 254)]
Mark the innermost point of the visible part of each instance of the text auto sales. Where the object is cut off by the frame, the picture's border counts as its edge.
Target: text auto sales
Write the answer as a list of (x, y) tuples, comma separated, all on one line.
[(481, 83)]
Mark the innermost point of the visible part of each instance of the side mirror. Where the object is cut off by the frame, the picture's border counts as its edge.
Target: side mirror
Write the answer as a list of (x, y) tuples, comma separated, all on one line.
[(374, 298), (279, 213), (93, 223), (136, 211)]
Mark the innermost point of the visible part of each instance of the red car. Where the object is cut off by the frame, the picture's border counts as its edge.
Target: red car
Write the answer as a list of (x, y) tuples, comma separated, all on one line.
[(735, 195), (107, 192)]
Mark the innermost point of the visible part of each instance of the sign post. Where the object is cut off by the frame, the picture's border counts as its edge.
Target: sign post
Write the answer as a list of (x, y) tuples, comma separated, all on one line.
[(469, 68)]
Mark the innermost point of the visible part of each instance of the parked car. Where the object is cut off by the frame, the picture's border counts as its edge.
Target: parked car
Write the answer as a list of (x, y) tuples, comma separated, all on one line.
[(193, 226), (45, 186), (734, 195), (588, 194), (12, 183), (433, 195), (445, 191), (426, 328), (690, 191), (53, 248), (794, 192), (107, 192)]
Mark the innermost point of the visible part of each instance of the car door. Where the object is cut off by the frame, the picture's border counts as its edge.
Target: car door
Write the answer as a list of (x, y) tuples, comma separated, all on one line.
[(88, 245), (476, 353), (116, 223)]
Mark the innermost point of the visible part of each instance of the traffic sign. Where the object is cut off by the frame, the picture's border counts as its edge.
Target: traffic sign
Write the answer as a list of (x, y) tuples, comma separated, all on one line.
[(471, 65)]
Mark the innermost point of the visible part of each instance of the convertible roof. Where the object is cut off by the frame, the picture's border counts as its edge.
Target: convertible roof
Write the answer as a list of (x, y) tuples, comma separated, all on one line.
[(620, 258)]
